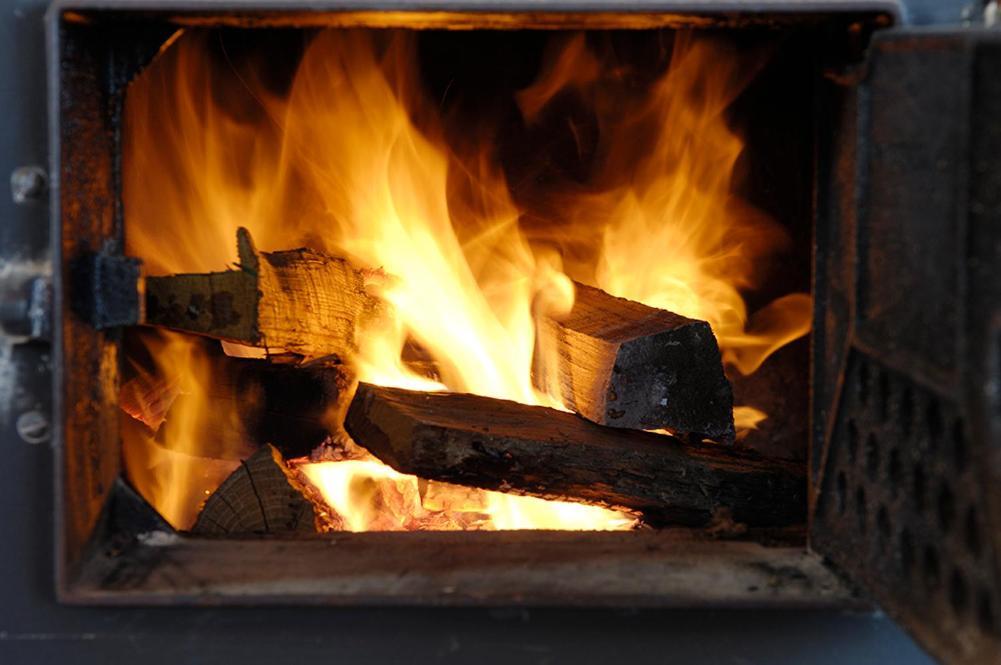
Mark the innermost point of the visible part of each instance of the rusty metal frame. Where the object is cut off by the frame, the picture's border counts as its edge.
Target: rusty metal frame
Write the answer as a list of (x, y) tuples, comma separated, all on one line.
[(85, 219)]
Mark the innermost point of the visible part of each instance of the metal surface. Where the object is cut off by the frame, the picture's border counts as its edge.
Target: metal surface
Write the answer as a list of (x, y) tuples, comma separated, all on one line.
[(96, 54), (914, 12), (908, 502), (28, 183), (25, 301), (893, 7), (107, 290)]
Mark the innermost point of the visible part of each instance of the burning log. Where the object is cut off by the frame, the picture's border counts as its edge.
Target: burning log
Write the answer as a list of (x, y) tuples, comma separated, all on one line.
[(624, 364), (298, 301), (261, 497), (242, 404), (500, 445), (294, 407)]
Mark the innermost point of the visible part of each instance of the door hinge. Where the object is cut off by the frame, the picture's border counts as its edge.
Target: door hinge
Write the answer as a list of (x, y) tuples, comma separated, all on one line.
[(25, 301)]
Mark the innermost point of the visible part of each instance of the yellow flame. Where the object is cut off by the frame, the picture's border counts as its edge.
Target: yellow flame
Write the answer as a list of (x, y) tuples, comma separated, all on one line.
[(747, 417), (379, 194), (371, 496), (172, 467), (673, 235), (382, 187), (350, 159)]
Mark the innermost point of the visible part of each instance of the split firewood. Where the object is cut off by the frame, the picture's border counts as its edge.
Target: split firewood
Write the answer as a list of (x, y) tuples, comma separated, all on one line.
[(500, 445), (624, 364), (263, 496), (299, 301)]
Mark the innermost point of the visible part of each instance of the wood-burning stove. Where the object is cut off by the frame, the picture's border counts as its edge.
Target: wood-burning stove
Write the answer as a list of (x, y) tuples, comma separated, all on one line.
[(902, 386)]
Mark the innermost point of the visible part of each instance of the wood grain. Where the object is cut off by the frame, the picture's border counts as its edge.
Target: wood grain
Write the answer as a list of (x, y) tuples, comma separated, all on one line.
[(261, 497), (299, 301), (623, 364), (500, 445), (665, 568)]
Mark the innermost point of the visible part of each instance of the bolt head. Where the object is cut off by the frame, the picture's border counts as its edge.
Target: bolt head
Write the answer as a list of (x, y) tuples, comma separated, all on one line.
[(33, 427), (28, 183)]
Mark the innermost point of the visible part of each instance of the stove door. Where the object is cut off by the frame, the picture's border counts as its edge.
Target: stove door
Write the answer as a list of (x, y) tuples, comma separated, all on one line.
[(906, 462)]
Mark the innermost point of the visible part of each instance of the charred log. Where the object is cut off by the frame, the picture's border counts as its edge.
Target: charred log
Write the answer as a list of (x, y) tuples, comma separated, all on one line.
[(781, 389), (294, 407), (500, 445), (299, 301), (624, 364), (244, 404)]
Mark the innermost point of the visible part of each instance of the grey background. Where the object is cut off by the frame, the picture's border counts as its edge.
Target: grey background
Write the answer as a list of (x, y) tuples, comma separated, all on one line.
[(34, 629)]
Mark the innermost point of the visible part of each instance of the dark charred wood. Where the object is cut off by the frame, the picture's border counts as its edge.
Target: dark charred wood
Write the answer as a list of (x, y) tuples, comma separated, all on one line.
[(129, 514), (300, 302), (501, 445), (624, 364), (781, 389), (294, 407), (248, 403)]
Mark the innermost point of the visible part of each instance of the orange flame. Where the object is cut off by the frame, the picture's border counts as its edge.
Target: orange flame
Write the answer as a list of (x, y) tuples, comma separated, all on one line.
[(200, 444), (350, 159), (673, 235), (382, 189)]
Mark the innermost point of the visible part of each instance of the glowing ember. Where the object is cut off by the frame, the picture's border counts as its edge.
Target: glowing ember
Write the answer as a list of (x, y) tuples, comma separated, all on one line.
[(339, 162), (371, 496)]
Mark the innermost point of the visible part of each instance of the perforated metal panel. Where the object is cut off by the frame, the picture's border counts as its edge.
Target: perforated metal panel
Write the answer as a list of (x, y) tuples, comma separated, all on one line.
[(902, 509), (906, 454)]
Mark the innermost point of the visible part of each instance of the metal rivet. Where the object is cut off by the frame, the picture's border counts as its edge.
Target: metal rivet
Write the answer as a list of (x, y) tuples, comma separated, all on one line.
[(33, 427), (28, 183), (991, 14)]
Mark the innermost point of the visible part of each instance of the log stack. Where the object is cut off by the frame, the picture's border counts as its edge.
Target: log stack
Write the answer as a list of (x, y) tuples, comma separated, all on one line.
[(621, 367)]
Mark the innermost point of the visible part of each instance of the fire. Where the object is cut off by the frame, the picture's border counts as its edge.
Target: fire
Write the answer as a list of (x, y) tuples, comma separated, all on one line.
[(383, 200), (746, 418), (351, 158), (372, 496), (673, 235), (178, 463)]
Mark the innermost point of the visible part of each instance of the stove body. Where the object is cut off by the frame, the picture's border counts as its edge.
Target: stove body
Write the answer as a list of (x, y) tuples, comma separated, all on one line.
[(864, 363)]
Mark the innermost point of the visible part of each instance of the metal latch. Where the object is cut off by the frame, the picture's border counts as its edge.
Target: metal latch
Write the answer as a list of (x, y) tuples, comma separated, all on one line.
[(26, 284), (25, 300)]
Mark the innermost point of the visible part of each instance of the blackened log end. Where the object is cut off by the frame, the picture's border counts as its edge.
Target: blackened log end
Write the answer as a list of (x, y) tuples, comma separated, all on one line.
[(673, 380)]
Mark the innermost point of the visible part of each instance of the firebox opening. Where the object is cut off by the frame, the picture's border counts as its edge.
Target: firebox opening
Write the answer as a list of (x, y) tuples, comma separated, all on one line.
[(425, 211)]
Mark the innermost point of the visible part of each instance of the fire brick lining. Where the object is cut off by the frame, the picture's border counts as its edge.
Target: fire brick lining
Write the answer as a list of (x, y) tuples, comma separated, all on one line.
[(901, 508)]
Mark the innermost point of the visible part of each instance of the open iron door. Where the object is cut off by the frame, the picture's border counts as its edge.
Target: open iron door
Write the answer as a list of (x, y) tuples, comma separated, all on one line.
[(906, 460)]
